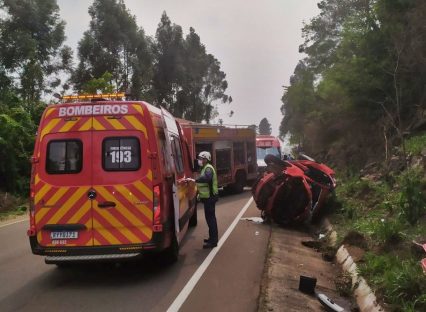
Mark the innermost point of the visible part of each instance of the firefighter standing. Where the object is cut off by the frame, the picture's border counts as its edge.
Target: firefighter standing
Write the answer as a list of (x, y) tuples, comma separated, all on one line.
[(208, 195)]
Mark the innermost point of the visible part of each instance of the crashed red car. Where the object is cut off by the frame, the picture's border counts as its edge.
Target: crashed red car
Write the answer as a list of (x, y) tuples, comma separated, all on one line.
[(293, 190)]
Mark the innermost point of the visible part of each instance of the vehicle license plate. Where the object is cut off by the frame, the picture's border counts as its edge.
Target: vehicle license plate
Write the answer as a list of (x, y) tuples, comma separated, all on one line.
[(64, 235)]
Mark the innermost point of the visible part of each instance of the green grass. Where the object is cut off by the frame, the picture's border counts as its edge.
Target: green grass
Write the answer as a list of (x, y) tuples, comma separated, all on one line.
[(19, 211), (389, 214), (416, 144)]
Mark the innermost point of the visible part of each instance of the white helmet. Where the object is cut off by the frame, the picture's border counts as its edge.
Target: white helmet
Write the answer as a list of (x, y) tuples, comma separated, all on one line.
[(205, 155)]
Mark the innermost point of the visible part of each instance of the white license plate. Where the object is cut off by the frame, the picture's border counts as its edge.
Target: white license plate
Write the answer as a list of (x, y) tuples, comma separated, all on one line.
[(64, 235)]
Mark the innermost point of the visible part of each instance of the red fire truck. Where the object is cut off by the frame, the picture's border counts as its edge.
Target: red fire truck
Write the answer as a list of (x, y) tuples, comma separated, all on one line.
[(109, 181), (233, 150), (265, 145)]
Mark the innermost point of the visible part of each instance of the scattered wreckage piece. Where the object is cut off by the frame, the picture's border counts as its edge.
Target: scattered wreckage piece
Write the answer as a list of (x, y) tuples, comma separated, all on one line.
[(292, 191)]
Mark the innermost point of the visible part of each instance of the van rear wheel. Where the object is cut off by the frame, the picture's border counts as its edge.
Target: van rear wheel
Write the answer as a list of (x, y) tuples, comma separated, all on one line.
[(171, 254)]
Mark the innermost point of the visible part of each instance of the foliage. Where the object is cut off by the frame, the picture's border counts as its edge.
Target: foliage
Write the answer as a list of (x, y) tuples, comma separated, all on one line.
[(114, 44), (416, 144), (16, 143), (362, 82), (186, 79), (401, 282), (31, 50), (381, 212), (412, 198), (265, 127), (99, 85)]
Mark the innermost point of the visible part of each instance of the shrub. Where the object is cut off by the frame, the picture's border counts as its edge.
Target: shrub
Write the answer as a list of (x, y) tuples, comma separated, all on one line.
[(413, 195), (416, 144)]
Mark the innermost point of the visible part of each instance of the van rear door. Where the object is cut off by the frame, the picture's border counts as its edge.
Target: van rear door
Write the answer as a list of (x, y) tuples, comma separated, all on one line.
[(122, 177), (63, 174)]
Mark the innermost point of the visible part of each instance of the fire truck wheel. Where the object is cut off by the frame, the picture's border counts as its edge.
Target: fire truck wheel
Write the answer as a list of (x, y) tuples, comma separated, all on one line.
[(240, 182), (193, 220)]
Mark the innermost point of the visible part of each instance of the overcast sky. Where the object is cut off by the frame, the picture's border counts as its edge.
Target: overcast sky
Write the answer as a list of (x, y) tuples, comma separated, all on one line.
[(255, 41)]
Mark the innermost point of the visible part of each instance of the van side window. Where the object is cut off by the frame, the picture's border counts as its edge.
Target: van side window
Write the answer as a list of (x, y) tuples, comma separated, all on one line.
[(64, 156), (121, 154), (177, 152)]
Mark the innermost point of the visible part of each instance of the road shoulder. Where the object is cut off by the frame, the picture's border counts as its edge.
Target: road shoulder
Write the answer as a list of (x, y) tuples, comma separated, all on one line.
[(287, 259)]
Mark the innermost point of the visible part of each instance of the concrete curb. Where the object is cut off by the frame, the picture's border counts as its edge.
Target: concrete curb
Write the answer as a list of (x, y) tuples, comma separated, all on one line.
[(364, 296)]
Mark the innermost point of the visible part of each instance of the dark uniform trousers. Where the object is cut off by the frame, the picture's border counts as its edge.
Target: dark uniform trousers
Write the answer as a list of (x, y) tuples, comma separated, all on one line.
[(210, 214)]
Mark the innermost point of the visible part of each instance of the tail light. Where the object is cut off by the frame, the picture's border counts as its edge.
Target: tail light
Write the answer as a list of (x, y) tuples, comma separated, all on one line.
[(156, 205)]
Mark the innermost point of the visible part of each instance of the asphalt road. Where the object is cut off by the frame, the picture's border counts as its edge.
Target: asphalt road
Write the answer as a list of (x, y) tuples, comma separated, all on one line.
[(230, 282)]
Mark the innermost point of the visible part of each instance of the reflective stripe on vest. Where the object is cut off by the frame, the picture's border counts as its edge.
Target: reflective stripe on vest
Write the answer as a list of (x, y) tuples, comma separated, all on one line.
[(204, 188)]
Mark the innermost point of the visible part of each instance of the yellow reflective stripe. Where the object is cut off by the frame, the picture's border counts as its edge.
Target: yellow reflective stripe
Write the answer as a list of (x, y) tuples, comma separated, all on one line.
[(49, 111), (137, 124), (81, 212), (138, 108), (97, 125), (95, 242), (49, 127), (37, 179), (105, 234), (40, 214), (40, 194), (68, 125), (133, 220), (67, 205), (57, 196), (149, 175), (115, 123), (145, 210), (87, 125), (144, 190)]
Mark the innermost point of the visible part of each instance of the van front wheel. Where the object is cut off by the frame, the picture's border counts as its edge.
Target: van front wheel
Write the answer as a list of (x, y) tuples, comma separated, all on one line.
[(193, 220)]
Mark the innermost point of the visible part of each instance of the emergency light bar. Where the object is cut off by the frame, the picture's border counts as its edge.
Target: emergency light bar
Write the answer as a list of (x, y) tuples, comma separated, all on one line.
[(93, 96)]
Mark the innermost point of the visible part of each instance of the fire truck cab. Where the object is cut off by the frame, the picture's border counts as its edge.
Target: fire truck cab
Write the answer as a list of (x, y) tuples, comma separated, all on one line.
[(233, 151), (266, 144), (109, 181)]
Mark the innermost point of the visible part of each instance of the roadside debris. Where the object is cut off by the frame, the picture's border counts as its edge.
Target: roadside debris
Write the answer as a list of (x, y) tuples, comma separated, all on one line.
[(307, 285), (292, 191), (253, 219)]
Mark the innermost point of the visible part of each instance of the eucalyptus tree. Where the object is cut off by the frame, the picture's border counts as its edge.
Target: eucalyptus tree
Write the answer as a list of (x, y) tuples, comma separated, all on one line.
[(114, 44)]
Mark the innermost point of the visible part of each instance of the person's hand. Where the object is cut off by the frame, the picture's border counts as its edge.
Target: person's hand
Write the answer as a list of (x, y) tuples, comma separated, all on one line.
[(189, 180)]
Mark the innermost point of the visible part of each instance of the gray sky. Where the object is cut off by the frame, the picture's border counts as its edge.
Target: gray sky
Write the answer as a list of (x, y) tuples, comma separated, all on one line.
[(256, 42)]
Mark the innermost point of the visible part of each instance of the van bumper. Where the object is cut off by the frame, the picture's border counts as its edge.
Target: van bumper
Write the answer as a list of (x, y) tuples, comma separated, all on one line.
[(96, 253)]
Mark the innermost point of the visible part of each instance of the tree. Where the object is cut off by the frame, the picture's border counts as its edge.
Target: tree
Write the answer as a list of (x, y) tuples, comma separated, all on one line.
[(265, 127), (364, 70), (31, 47), (168, 68), (187, 81), (114, 44)]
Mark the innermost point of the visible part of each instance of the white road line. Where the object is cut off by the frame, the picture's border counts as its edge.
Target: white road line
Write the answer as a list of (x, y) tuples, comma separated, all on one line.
[(4, 225), (186, 291)]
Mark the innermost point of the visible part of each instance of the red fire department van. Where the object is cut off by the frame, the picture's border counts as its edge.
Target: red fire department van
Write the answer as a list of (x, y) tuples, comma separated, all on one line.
[(233, 151), (109, 181)]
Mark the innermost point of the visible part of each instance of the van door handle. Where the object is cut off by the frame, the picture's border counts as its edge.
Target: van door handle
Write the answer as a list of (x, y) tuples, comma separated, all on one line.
[(106, 204)]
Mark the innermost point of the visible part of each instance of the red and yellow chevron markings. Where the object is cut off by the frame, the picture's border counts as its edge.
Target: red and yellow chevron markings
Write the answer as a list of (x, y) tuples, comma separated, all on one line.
[(128, 222)]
